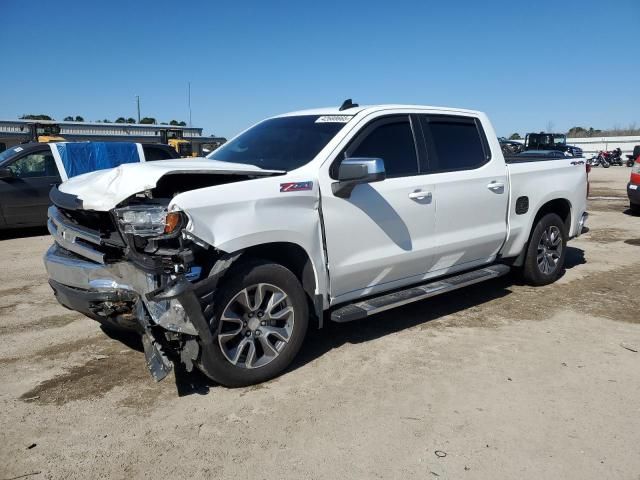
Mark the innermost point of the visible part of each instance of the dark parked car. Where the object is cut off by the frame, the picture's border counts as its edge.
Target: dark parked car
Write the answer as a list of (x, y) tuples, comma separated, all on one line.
[(510, 147), (550, 141), (27, 173)]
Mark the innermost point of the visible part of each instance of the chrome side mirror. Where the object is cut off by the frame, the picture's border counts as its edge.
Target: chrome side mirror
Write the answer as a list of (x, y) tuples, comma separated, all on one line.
[(354, 171)]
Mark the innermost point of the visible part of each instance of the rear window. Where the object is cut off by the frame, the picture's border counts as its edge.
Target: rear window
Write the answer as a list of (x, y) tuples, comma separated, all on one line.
[(453, 143), (155, 153)]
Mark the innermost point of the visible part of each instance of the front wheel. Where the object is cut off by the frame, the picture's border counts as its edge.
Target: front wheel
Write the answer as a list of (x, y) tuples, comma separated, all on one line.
[(259, 322), (544, 260)]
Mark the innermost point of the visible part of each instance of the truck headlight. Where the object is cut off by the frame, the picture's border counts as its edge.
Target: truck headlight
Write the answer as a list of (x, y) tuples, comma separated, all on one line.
[(149, 220)]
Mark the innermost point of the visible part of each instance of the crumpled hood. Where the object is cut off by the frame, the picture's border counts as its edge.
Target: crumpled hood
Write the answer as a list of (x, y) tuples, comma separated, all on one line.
[(102, 190)]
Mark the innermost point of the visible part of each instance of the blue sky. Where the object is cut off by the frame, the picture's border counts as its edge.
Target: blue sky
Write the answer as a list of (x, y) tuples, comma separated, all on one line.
[(526, 64)]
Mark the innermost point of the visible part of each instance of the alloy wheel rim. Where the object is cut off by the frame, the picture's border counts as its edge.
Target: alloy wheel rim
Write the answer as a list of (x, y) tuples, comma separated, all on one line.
[(549, 250), (256, 325)]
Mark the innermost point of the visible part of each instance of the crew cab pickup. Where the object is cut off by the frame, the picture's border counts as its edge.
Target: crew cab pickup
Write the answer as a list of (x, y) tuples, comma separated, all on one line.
[(221, 263)]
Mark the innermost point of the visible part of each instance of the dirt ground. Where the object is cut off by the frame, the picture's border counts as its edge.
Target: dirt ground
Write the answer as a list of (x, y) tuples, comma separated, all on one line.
[(499, 380)]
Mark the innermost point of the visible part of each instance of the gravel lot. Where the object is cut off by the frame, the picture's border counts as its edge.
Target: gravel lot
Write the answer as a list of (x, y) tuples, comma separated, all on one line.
[(503, 380)]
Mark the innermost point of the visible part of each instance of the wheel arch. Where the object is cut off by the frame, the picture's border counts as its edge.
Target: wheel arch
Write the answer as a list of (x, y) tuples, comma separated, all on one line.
[(295, 258), (560, 206)]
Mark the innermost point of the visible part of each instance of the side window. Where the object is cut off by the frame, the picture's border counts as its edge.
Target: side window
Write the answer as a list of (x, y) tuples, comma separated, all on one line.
[(454, 143), (34, 165), (392, 141), (152, 153)]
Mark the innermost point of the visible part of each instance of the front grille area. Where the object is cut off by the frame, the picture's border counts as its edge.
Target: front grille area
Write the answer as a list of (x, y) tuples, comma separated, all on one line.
[(98, 221), (97, 244)]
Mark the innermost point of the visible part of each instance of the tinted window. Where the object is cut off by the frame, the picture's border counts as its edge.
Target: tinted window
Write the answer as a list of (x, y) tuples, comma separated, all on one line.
[(283, 143), (153, 153), (39, 164), (393, 143), (453, 144)]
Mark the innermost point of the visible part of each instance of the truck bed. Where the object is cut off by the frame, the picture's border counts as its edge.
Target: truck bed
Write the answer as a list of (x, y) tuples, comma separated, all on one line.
[(537, 158)]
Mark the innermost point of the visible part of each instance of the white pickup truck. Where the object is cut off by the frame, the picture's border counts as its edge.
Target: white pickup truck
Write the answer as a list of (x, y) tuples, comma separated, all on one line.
[(332, 214)]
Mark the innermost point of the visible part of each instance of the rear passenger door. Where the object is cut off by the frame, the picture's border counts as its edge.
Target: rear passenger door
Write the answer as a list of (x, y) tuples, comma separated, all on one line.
[(471, 192)]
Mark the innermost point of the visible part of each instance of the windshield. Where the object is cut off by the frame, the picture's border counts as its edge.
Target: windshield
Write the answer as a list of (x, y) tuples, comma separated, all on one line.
[(9, 153), (283, 143), (559, 139)]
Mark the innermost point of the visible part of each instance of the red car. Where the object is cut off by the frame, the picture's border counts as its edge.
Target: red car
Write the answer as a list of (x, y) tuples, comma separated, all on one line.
[(633, 187)]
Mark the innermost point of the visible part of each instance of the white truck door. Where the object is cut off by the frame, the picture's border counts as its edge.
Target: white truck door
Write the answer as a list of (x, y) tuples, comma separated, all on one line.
[(380, 237), (472, 192)]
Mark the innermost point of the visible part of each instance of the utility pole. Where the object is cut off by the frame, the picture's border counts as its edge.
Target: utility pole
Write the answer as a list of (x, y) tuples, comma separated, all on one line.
[(189, 100), (138, 103)]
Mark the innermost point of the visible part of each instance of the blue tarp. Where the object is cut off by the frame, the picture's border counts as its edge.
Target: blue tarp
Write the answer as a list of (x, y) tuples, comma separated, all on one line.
[(79, 158)]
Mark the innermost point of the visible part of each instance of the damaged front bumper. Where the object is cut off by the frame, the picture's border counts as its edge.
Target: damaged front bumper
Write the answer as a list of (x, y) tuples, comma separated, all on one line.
[(164, 309)]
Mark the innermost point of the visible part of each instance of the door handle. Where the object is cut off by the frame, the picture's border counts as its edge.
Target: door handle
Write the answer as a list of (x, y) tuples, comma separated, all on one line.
[(496, 187), (420, 195)]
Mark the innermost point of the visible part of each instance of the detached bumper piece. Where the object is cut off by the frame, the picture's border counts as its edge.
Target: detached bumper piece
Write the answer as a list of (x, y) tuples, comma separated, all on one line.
[(183, 291), (157, 362)]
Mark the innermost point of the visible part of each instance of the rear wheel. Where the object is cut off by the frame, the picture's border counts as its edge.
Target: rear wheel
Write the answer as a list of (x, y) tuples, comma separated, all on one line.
[(259, 322), (546, 251), (635, 208)]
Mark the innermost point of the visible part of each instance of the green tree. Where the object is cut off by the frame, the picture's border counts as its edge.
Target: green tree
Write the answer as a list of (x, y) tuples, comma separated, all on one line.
[(576, 132), (121, 120), (68, 119), (36, 117), (106, 121), (515, 136), (131, 120), (79, 118), (148, 121)]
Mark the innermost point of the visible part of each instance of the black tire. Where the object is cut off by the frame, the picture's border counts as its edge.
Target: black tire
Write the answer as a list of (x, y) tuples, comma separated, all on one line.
[(245, 275), (635, 208), (532, 271)]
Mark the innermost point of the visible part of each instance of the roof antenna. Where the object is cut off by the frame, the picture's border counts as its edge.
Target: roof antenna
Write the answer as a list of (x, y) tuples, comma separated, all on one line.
[(347, 104)]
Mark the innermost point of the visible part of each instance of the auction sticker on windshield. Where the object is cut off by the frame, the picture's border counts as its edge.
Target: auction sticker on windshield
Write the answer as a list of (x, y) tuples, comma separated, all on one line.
[(334, 119)]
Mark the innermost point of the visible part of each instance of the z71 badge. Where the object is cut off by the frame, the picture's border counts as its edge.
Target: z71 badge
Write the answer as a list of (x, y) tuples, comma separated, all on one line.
[(295, 186)]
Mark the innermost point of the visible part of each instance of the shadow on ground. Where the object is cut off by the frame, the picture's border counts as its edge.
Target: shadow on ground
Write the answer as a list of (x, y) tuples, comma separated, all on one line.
[(187, 383), (334, 335), (574, 257), (23, 233)]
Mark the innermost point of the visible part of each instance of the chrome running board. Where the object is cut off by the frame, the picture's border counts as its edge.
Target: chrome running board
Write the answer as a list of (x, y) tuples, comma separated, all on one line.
[(371, 306)]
